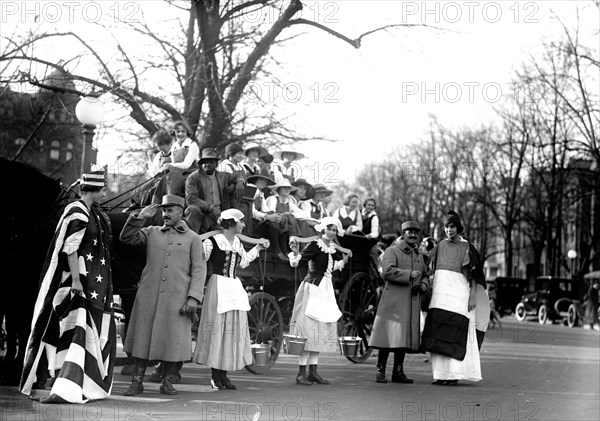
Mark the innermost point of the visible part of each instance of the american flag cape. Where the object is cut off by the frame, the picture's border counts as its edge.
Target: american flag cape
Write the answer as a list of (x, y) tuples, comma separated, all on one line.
[(73, 335)]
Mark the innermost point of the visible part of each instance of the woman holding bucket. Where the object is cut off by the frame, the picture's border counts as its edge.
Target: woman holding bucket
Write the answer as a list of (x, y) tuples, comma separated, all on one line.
[(223, 337), (316, 313)]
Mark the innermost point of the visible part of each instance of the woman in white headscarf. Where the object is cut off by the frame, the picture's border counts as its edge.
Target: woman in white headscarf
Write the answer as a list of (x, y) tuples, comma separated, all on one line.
[(316, 312)]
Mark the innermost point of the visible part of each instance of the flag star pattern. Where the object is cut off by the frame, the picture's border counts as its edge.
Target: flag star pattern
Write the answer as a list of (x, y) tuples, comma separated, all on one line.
[(76, 330)]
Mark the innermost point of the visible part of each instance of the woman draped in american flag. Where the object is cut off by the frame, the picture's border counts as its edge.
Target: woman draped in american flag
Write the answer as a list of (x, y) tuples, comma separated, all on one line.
[(72, 343)]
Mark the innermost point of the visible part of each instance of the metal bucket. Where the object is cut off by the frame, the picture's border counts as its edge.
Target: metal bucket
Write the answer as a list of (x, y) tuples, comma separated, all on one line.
[(260, 353), (349, 345), (295, 344)]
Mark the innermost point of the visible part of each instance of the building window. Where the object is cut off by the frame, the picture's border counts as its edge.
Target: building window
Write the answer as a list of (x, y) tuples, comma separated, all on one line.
[(69, 153), (55, 150)]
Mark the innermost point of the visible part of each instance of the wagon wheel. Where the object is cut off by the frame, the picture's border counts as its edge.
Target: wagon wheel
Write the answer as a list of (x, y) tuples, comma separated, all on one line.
[(358, 303), (572, 318), (265, 324), (543, 314)]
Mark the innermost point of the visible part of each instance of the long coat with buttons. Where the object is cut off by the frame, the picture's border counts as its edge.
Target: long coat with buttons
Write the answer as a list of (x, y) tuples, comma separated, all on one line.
[(175, 270), (397, 322)]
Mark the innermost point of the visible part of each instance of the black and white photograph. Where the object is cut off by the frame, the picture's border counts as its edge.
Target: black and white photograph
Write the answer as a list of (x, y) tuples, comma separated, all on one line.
[(246, 210)]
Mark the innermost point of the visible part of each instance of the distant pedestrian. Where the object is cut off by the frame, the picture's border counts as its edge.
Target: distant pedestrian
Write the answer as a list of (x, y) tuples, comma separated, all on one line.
[(591, 305)]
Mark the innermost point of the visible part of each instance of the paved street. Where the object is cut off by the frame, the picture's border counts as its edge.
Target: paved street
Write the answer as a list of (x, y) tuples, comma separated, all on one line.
[(530, 372)]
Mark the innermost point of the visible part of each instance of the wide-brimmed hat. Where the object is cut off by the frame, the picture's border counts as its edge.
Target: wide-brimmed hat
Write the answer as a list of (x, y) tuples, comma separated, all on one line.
[(279, 154), (208, 154), (282, 183), (172, 200), (252, 179), (320, 188), (330, 220), (235, 214), (232, 149), (410, 225), (310, 191), (253, 145)]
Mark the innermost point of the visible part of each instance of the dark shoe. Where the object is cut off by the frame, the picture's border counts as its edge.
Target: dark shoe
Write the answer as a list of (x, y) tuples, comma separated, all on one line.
[(225, 382), (166, 388), (301, 377), (135, 388), (380, 375), (400, 377), (451, 382), (439, 382), (215, 380), (313, 376)]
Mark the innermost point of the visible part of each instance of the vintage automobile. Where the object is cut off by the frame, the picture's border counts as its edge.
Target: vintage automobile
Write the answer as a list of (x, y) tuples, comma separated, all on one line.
[(507, 292), (554, 299)]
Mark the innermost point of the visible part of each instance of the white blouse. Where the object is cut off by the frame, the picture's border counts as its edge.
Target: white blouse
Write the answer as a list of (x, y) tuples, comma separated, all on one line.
[(237, 247), (191, 157), (354, 215)]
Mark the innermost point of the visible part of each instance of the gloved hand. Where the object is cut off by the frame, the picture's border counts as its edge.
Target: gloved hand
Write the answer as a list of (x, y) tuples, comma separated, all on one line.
[(421, 288)]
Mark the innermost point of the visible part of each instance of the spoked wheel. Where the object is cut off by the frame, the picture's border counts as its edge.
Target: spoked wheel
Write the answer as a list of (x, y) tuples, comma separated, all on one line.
[(572, 318), (266, 326), (520, 312), (358, 303)]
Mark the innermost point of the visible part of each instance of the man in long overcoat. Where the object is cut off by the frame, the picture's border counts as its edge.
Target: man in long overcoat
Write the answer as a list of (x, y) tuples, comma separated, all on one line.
[(169, 292), (397, 323)]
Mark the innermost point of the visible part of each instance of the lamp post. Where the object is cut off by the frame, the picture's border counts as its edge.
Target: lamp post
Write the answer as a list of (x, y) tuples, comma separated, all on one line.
[(572, 255), (90, 112)]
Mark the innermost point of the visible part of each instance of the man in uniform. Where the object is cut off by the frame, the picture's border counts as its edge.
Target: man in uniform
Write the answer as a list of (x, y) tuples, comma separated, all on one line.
[(174, 279), (397, 323)]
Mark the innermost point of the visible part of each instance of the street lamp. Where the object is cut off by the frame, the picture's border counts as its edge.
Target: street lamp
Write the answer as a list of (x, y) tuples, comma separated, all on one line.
[(572, 255), (90, 112)]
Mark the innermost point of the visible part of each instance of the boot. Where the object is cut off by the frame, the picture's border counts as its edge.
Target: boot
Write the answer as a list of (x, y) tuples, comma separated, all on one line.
[(137, 387), (166, 387), (380, 375), (226, 382), (301, 377), (398, 375), (215, 381), (313, 376)]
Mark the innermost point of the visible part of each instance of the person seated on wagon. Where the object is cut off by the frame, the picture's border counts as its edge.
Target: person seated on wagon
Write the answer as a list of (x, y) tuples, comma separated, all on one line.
[(316, 312), (253, 151), (282, 204), (370, 220), (223, 334), (304, 191), (266, 167), (286, 167), (234, 155), (184, 158), (322, 200), (206, 193), (154, 190), (350, 216)]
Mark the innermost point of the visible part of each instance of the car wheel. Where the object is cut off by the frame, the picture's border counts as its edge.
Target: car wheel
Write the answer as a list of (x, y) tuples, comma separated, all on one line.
[(543, 314), (572, 318), (520, 312)]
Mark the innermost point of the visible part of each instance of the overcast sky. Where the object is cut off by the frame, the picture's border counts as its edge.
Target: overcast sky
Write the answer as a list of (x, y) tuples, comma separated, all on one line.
[(377, 97)]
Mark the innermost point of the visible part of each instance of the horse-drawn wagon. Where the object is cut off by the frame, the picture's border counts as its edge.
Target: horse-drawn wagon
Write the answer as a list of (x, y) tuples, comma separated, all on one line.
[(270, 281)]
